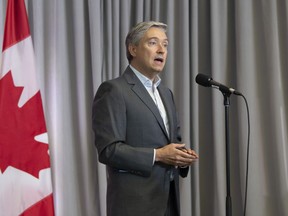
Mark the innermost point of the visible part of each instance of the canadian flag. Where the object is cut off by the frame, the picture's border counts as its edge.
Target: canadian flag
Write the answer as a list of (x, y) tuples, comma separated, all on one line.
[(25, 172)]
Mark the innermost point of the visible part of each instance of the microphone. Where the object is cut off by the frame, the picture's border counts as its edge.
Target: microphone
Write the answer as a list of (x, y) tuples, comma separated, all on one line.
[(206, 81)]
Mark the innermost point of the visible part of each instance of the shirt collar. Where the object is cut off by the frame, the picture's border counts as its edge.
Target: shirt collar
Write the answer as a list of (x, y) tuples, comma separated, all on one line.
[(145, 80)]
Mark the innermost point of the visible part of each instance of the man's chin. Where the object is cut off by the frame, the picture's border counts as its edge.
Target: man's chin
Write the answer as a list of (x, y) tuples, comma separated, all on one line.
[(158, 69)]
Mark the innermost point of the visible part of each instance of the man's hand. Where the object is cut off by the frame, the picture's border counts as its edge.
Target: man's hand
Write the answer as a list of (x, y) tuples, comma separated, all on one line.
[(176, 154)]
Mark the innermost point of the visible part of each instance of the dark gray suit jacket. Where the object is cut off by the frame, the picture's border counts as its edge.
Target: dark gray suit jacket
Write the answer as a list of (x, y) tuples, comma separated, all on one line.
[(128, 127)]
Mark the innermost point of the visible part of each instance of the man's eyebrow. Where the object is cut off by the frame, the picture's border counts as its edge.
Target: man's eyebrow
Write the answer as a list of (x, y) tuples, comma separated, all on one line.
[(156, 38)]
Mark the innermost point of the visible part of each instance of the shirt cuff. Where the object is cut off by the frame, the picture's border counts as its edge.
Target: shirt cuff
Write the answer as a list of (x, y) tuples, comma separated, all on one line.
[(154, 156)]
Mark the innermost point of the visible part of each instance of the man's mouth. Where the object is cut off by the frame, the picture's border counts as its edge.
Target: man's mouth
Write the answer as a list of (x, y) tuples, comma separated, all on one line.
[(159, 59)]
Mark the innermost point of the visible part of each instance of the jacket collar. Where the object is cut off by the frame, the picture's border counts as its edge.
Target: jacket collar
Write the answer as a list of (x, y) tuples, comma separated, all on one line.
[(138, 88)]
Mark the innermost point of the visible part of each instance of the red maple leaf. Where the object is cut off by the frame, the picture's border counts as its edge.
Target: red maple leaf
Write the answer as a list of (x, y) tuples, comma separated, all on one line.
[(18, 127)]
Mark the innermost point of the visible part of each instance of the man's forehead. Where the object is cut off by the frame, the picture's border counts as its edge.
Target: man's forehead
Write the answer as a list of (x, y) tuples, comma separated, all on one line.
[(155, 32)]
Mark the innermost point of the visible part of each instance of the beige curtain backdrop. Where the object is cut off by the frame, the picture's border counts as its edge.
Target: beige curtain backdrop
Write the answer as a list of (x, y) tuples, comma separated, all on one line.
[(241, 43)]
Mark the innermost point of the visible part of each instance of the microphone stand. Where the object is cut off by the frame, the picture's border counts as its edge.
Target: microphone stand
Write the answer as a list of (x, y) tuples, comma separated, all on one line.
[(228, 197)]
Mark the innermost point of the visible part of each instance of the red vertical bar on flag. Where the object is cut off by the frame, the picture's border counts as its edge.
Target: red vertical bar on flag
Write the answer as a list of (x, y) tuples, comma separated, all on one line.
[(25, 171)]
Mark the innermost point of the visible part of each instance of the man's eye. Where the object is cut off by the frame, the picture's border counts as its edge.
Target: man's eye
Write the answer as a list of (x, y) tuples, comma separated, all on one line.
[(165, 44), (152, 42)]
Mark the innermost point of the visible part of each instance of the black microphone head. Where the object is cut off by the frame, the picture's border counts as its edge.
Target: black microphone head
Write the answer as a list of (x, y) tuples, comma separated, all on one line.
[(203, 80)]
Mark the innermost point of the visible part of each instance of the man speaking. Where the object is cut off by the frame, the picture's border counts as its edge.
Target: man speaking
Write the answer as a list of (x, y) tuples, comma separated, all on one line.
[(137, 133)]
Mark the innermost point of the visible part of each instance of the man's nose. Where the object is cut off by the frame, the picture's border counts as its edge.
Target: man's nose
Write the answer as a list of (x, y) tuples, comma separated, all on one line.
[(161, 48)]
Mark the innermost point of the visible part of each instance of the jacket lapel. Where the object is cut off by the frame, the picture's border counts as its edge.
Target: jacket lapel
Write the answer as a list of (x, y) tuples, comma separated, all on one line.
[(141, 92), (168, 104)]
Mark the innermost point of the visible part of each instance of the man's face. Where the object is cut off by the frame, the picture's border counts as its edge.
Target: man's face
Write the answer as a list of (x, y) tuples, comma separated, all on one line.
[(151, 52)]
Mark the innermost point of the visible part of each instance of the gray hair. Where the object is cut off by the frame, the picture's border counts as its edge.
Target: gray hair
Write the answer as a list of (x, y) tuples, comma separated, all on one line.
[(137, 33)]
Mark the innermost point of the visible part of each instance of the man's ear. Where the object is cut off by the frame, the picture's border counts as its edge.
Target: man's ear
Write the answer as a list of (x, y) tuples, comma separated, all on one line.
[(132, 50)]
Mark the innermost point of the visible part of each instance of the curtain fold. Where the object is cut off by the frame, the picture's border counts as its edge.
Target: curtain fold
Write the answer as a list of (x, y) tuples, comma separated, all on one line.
[(241, 43)]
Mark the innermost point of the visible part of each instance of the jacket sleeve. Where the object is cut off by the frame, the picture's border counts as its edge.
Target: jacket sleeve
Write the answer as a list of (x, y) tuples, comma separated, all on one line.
[(109, 126)]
